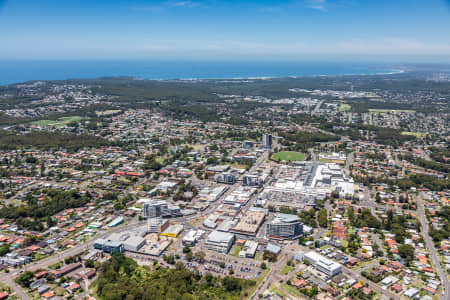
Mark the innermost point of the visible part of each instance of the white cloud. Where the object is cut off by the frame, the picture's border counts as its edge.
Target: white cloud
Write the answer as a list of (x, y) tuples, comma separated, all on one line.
[(272, 9), (157, 8), (396, 48), (317, 4), (187, 4), (378, 47)]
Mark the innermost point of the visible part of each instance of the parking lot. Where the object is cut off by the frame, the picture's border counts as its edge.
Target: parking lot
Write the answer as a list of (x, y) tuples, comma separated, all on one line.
[(242, 268)]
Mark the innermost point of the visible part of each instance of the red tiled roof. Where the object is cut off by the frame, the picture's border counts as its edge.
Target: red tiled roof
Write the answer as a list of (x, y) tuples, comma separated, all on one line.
[(357, 286), (47, 294)]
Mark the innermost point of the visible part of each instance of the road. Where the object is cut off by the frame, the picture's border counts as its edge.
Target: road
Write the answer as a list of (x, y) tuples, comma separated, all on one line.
[(399, 164), (349, 162), (355, 275), (423, 154), (9, 277), (313, 155), (17, 289), (274, 272), (316, 109), (213, 206), (288, 250), (44, 263), (430, 246)]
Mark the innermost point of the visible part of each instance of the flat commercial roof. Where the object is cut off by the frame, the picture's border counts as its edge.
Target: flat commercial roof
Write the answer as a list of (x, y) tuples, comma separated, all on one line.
[(250, 221), (273, 248), (323, 261), (220, 237), (134, 241), (174, 228)]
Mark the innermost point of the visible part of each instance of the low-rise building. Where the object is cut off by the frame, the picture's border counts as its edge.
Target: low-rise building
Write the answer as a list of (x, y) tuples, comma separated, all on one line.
[(108, 247), (272, 248), (323, 264), (411, 292), (13, 259), (173, 230), (220, 241), (249, 222), (249, 249), (66, 270), (192, 237), (131, 242)]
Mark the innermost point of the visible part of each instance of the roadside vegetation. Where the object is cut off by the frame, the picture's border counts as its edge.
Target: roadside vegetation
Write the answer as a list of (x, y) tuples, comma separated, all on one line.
[(122, 278)]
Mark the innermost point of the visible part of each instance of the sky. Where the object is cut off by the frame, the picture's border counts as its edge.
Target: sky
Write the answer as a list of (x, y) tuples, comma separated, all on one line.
[(377, 30)]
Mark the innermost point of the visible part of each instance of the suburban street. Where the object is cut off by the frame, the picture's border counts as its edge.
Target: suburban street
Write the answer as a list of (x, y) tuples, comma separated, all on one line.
[(44, 263), (316, 109), (288, 250), (430, 245)]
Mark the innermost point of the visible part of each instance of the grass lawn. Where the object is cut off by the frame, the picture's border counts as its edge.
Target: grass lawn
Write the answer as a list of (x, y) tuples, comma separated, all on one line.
[(390, 110), (37, 256), (291, 290), (56, 265), (258, 256), (363, 264), (274, 289), (344, 243), (160, 159), (70, 119), (107, 112), (344, 107), (237, 249), (43, 122), (324, 160), (416, 134), (59, 291), (286, 269), (60, 122), (289, 156), (238, 166), (258, 280)]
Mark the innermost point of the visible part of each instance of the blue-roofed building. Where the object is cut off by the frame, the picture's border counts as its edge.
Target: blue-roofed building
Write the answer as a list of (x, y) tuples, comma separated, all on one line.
[(108, 246), (117, 221), (275, 249)]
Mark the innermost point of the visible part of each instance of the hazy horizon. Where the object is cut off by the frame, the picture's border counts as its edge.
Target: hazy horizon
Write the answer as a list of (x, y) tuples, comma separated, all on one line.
[(383, 31)]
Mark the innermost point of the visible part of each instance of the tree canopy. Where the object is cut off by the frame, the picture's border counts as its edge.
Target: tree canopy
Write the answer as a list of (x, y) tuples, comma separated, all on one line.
[(122, 278)]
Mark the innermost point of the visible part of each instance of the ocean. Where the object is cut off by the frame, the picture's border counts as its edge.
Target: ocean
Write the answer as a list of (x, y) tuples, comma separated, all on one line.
[(21, 71)]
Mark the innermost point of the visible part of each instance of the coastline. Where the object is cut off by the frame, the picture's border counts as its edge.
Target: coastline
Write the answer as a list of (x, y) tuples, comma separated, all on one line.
[(392, 72), (19, 72)]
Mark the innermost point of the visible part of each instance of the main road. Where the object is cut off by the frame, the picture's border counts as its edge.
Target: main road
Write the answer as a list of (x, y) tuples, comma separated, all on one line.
[(316, 109), (433, 253), (288, 251), (349, 162), (8, 278)]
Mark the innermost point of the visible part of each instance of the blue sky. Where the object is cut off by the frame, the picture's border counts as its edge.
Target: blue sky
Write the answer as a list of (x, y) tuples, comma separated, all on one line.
[(380, 30)]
